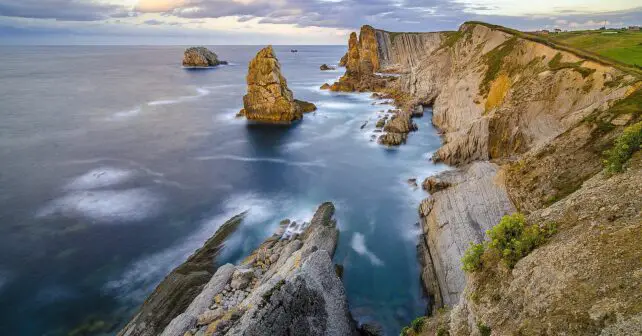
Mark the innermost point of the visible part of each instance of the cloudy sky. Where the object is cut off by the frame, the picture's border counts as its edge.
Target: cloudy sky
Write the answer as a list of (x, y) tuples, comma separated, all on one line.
[(283, 21)]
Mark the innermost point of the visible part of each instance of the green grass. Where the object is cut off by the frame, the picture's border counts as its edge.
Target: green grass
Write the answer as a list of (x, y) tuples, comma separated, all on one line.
[(563, 46), (556, 64), (625, 145), (494, 59), (622, 46)]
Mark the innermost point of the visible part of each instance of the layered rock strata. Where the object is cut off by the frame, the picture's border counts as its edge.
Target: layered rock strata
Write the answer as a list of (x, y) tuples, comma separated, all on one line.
[(287, 286), (200, 57), (175, 293), (268, 98)]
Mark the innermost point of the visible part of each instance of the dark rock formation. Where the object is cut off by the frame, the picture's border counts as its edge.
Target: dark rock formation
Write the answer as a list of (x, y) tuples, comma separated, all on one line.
[(287, 286), (326, 67), (174, 294), (268, 97), (200, 57)]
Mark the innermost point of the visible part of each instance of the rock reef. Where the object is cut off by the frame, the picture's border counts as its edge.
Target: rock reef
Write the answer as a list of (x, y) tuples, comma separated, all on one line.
[(200, 57), (268, 98), (287, 286)]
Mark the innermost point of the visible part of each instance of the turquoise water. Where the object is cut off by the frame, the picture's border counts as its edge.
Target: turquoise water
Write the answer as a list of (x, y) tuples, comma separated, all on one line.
[(116, 164)]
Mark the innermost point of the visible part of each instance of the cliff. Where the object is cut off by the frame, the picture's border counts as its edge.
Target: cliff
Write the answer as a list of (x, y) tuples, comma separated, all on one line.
[(525, 123), (200, 57), (268, 98), (288, 285)]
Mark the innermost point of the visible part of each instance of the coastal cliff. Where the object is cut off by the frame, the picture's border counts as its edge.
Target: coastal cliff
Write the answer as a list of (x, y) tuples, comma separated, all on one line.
[(268, 98), (288, 285), (526, 123)]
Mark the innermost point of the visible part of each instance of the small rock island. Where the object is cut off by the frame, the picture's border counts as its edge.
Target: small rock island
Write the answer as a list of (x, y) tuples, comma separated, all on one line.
[(200, 57), (268, 98)]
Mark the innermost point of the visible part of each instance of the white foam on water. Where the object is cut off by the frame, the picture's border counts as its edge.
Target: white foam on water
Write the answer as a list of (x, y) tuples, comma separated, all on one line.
[(106, 206), (200, 92), (316, 163), (358, 244), (337, 105), (143, 275), (100, 178), (126, 114), (292, 146)]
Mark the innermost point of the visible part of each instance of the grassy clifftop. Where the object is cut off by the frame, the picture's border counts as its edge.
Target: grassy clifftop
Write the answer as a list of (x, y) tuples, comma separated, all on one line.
[(596, 53)]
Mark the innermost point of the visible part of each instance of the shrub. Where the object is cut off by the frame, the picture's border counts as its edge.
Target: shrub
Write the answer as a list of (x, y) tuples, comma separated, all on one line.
[(484, 330), (625, 145), (418, 323), (405, 331), (472, 258), (513, 239)]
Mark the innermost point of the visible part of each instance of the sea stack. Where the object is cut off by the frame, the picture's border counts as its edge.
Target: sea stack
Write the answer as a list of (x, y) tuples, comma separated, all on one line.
[(200, 57), (268, 98)]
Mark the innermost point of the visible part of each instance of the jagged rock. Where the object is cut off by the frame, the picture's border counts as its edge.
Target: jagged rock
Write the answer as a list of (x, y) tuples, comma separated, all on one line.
[(174, 294), (401, 123), (369, 329), (381, 122), (268, 97), (344, 60), (242, 278), (326, 67), (426, 206), (412, 182), (325, 86), (209, 316), (200, 57), (434, 184), (417, 111), (393, 139)]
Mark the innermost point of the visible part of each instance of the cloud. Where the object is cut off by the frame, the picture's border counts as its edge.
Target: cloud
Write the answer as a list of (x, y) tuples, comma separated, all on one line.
[(158, 6), (64, 10)]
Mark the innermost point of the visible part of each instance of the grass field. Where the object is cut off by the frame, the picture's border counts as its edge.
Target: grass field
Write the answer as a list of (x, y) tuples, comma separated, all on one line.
[(622, 46)]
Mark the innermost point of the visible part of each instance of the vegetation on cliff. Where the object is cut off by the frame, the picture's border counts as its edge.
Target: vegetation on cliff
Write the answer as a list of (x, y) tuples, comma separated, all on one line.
[(625, 145)]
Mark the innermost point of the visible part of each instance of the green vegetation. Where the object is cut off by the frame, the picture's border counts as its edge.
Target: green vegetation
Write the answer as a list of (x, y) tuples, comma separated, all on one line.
[(484, 330), (472, 258), (622, 46), (586, 54), (511, 239), (556, 64), (632, 104), (625, 145), (418, 323), (494, 60)]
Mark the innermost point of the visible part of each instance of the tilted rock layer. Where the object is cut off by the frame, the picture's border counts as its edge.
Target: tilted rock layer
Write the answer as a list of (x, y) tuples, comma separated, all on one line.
[(543, 117), (200, 57), (268, 97), (287, 286)]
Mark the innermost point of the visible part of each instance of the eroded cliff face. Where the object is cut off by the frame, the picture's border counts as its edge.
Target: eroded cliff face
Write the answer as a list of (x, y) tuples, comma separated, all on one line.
[(268, 98), (526, 125), (287, 286)]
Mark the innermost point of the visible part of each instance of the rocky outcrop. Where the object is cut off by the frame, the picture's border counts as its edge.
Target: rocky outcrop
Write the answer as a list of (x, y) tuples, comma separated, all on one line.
[(200, 57), (175, 293), (288, 285), (325, 67), (268, 98)]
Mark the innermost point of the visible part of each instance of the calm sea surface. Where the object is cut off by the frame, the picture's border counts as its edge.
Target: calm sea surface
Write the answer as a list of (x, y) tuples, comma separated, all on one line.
[(116, 164)]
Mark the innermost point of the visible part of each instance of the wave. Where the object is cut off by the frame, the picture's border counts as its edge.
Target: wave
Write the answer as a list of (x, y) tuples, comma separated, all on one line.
[(317, 163), (127, 114), (358, 244), (106, 206), (100, 178), (200, 92)]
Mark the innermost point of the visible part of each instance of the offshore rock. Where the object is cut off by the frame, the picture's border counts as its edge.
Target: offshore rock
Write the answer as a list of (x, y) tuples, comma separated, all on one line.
[(174, 294), (268, 98), (393, 139), (326, 67), (200, 57)]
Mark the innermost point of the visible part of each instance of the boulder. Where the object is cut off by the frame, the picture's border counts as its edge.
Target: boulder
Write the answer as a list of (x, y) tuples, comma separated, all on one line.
[(268, 98), (326, 67), (242, 278), (400, 124), (393, 139), (381, 122), (200, 57), (434, 184)]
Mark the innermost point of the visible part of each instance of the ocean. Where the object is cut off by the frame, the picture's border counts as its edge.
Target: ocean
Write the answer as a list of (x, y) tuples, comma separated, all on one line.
[(116, 164)]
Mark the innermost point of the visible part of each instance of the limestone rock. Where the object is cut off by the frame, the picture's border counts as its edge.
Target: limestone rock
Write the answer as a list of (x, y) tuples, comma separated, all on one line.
[(268, 98), (200, 57), (325, 86), (393, 139), (242, 278), (344, 60), (401, 123), (434, 184)]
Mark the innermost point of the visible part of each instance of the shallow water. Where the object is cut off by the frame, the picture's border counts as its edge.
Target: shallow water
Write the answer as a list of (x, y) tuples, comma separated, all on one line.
[(116, 164)]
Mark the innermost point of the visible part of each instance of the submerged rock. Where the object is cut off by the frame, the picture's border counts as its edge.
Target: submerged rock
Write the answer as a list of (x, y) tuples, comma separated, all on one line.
[(201, 57), (268, 97)]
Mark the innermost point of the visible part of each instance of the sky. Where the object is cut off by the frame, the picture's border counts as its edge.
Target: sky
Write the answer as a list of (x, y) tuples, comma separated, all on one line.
[(312, 22)]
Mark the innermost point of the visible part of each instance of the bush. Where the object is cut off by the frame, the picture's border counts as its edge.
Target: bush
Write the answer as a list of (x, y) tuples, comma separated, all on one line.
[(625, 145), (418, 323), (472, 258), (513, 239), (484, 330)]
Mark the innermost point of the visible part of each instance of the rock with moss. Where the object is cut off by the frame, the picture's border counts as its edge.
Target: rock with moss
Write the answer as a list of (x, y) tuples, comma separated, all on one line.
[(200, 57)]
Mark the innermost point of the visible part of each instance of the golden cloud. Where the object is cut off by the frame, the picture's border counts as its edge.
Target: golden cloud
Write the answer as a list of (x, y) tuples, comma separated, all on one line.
[(158, 6)]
